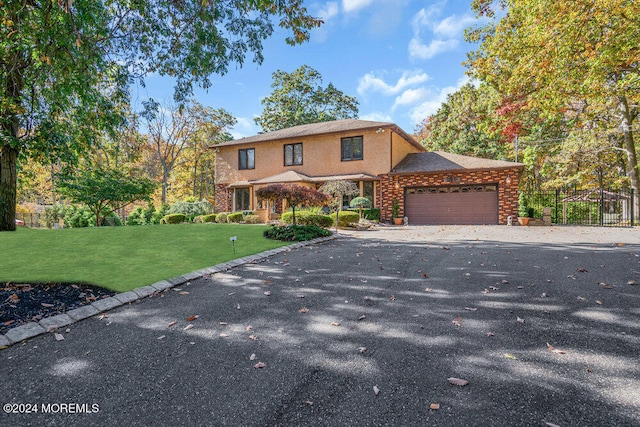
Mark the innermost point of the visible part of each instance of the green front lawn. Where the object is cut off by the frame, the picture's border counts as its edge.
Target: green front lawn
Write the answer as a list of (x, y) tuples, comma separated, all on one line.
[(123, 258)]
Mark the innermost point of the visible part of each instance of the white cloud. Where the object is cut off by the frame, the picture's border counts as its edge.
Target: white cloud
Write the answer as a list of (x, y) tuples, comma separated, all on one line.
[(243, 128), (419, 50), (411, 96), (453, 26), (328, 11), (376, 117), (353, 5), (369, 82), (434, 100)]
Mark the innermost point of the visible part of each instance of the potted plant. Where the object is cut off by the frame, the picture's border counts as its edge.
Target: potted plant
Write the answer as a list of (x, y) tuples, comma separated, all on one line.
[(523, 210), (396, 209)]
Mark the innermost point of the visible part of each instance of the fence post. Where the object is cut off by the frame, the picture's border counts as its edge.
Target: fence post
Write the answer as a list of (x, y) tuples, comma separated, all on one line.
[(601, 207), (633, 202)]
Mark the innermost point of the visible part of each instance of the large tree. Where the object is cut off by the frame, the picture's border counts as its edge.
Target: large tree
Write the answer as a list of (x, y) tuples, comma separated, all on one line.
[(561, 55), (299, 98), (58, 57)]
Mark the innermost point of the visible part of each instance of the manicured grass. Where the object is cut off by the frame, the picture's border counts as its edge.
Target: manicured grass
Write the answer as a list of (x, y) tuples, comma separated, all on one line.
[(123, 258)]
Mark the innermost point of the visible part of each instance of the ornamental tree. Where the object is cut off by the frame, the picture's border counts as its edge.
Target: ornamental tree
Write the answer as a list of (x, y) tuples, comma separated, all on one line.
[(295, 195), (65, 65), (105, 191)]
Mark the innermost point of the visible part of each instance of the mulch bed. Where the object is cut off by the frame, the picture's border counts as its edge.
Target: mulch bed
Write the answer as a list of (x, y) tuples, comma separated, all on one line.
[(21, 303)]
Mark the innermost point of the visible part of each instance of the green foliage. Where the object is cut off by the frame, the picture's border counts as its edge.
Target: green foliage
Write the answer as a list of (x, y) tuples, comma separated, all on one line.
[(191, 209), (208, 218), (295, 195), (345, 218), (295, 233), (222, 217), (173, 219), (252, 219), (307, 218), (235, 217), (104, 190), (395, 208), (141, 216), (372, 214), (523, 205), (157, 216), (298, 98)]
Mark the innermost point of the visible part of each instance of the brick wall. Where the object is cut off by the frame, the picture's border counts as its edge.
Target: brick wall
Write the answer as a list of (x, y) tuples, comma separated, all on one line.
[(222, 198), (392, 187)]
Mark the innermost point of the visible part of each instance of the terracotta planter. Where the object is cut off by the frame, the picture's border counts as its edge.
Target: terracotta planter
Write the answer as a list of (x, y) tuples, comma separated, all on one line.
[(398, 221), (523, 220)]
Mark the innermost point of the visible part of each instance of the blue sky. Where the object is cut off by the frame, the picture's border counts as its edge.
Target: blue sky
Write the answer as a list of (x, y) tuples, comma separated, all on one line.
[(399, 58)]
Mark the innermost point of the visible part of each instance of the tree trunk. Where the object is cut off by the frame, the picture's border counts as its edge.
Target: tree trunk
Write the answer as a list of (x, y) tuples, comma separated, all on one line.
[(8, 183), (629, 145)]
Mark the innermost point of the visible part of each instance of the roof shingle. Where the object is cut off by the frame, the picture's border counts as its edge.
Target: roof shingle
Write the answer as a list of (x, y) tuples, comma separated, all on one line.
[(439, 161)]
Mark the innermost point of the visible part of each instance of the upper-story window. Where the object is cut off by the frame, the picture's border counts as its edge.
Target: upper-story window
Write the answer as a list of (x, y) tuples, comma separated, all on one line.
[(293, 154), (351, 148), (247, 158)]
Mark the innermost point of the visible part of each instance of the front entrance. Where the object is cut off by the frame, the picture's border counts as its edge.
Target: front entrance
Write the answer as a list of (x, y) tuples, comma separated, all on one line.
[(452, 205)]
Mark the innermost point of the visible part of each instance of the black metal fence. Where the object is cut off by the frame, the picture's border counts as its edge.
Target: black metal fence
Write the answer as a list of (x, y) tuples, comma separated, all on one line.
[(598, 207)]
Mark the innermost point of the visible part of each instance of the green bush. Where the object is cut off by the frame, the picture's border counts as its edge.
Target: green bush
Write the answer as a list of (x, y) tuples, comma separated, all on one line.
[(372, 214), (252, 219), (173, 219), (222, 217), (156, 216), (198, 219), (191, 209), (208, 218), (345, 218), (136, 217), (307, 218), (235, 217), (295, 233)]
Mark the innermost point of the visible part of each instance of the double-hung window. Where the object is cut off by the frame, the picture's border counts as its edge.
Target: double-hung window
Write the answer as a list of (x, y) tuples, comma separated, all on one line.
[(247, 158), (293, 154), (351, 148)]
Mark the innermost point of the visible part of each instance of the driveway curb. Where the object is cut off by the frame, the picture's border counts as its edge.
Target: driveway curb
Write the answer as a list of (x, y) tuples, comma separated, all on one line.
[(51, 324)]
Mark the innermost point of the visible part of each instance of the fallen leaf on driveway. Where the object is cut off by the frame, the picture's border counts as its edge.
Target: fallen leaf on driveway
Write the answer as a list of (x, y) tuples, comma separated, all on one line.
[(189, 326), (632, 283), (599, 302), (303, 310), (260, 365), (393, 298), (470, 309), (510, 356), (544, 295), (335, 323), (268, 293), (520, 319), (184, 293), (555, 350), (457, 321), (458, 381), (172, 323), (582, 270), (362, 349), (376, 390), (161, 337), (252, 357), (248, 328), (58, 337), (224, 335), (308, 402), (362, 317), (434, 406), (44, 304), (489, 334), (192, 318), (253, 337)]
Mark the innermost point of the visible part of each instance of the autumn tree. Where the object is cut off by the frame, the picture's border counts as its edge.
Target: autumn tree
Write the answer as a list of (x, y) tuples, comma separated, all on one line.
[(295, 195), (299, 98), (338, 188), (57, 58), (562, 56)]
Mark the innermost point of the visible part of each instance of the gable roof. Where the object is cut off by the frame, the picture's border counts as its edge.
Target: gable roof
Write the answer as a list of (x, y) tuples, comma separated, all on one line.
[(440, 161), (323, 128)]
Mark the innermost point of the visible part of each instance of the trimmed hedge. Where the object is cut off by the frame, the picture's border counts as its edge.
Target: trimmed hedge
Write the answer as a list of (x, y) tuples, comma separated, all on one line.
[(222, 217), (295, 233), (252, 219), (176, 218), (235, 217), (307, 218), (345, 218), (208, 218)]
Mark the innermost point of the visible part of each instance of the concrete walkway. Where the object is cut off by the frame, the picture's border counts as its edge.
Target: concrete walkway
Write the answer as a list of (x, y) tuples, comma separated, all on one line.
[(364, 330)]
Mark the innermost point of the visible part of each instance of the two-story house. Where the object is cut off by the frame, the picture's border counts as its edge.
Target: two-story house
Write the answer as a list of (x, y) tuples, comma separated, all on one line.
[(384, 161)]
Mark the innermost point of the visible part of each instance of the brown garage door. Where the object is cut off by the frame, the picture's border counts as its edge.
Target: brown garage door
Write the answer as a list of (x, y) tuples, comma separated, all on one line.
[(462, 204)]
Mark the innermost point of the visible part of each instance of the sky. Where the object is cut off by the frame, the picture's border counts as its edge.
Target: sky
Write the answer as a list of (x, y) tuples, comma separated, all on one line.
[(399, 58)]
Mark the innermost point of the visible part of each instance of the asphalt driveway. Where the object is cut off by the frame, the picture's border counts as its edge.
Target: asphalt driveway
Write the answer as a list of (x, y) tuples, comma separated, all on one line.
[(367, 329)]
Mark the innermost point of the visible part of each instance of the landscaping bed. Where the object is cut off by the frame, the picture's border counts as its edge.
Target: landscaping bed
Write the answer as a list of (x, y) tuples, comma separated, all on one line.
[(31, 302)]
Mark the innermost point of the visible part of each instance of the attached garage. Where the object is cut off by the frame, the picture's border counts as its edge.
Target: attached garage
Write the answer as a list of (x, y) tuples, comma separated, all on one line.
[(460, 204), (438, 188)]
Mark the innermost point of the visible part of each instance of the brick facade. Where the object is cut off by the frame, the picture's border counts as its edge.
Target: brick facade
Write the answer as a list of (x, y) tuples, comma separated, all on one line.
[(392, 187), (223, 198)]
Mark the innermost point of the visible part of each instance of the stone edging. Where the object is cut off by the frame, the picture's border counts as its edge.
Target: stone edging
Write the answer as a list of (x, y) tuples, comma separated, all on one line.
[(50, 324)]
